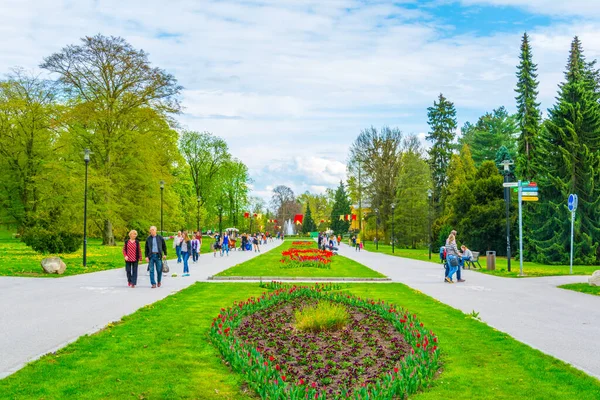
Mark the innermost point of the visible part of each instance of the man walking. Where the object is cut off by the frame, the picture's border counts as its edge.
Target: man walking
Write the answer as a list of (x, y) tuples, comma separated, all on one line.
[(156, 251)]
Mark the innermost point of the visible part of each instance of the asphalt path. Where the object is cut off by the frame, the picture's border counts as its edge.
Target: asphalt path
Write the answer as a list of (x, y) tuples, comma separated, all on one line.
[(559, 322), (41, 315)]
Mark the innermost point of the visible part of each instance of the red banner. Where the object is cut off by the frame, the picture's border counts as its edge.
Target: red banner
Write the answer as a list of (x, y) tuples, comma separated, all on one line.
[(298, 219), (353, 217), (246, 215)]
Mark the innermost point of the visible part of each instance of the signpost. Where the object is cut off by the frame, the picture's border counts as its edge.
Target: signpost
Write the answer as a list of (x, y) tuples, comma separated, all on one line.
[(572, 205), (528, 191)]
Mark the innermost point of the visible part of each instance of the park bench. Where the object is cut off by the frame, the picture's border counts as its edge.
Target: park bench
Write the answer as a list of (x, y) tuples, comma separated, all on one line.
[(474, 260)]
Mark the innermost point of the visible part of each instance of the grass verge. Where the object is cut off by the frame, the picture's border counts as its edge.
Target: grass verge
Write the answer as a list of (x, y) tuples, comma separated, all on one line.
[(162, 352), (530, 269), (268, 265), (20, 260), (583, 288)]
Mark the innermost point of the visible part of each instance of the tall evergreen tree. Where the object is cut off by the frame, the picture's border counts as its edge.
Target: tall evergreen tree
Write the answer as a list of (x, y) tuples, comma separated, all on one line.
[(569, 162), (528, 112), (442, 123), (308, 224), (341, 207)]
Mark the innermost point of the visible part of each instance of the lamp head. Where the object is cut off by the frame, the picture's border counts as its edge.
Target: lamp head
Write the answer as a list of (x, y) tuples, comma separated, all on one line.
[(429, 193), (86, 155), (162, 184)]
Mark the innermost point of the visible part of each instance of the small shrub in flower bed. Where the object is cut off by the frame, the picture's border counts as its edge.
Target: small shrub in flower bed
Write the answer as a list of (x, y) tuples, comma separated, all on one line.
[(275, 285), (302, 258), (383, 352), (324, 316), (303, 243)]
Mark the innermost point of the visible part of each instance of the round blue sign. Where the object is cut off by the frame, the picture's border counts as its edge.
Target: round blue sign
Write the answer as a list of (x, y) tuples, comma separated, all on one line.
[(572, 202)]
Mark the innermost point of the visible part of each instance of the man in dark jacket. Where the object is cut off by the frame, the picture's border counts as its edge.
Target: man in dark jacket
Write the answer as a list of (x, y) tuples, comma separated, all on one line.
[(156, 251)]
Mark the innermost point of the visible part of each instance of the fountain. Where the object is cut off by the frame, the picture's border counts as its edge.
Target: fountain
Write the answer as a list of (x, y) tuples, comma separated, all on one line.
[(289, 227)]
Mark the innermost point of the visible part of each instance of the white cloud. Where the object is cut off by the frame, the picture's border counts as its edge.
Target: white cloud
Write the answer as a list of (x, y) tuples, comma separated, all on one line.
[(290, 83)]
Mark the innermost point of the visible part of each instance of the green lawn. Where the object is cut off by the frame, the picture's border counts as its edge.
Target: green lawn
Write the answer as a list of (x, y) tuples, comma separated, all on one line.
[(162, 352), (583, 288), (268, 265), (16, 259), (530, 269)]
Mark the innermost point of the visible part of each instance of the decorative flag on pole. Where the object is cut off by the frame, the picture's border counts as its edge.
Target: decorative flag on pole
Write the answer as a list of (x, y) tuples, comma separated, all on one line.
[(258, 215), (353, 217), (254, 215), (341, 217), (298, 219), (246, 215)]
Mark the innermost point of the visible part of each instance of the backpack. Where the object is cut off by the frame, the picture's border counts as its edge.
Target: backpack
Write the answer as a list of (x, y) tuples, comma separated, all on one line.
[(443, 253)]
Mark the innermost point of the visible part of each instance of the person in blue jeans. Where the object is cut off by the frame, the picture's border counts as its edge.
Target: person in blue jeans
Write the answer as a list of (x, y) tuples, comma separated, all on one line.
[(225, 245), (156, 252), (186, 249), (452, 257), (177, 246)]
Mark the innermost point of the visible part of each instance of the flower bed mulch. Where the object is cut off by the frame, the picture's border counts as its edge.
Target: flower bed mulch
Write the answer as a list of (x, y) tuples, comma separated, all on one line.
[(383, 353), (302, 258)]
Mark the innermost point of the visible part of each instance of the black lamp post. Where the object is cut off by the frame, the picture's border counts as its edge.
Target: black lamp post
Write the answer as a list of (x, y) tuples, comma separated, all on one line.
[(429, 197), (220, 220), (86, 159), (377, 228), (162, 189), (506, 164), (198, 214), (393, 207)]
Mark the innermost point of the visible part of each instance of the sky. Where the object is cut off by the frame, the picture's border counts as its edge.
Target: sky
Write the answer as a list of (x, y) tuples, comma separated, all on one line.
[(289, 84)]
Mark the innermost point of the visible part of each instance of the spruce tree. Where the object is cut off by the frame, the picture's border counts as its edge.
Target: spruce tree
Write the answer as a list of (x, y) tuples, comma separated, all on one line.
[(528, 112), (442, 123), (308, 224), (569, 162), (341, 207)]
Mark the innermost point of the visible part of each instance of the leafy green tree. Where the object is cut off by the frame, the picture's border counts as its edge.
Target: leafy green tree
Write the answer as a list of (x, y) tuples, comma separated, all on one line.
[(569, 162), (412, 204), (341, 206), (28, 153), (116, 99), (492, 131), (442, 124), (308, 224), (320, 206), (528, 111), (377, 154)]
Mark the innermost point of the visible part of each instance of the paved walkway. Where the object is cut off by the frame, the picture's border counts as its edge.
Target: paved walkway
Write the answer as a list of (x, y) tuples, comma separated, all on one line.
[(41, 315), (562, 323)]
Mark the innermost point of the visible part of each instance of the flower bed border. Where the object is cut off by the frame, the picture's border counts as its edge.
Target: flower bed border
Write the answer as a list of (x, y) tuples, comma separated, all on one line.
[(416, 370)]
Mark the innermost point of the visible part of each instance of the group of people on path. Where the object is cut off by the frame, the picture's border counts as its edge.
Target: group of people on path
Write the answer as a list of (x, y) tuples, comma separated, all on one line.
[(329, 242), (455, 259), (155, 252)]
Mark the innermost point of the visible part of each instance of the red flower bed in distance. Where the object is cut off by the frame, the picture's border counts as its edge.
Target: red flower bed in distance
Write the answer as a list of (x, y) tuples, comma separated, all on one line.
[(296, 258)]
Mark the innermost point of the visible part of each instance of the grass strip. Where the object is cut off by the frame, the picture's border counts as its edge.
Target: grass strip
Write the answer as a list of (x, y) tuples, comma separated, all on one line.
[(162, 352), (269, 265), (530, 269), (583, 288)]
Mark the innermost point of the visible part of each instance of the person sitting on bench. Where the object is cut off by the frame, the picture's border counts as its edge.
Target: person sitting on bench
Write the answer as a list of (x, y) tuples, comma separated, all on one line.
[(467, 255)]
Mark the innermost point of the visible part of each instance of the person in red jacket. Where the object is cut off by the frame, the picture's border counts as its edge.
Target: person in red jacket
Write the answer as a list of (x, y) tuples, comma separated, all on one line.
[(133, 255)]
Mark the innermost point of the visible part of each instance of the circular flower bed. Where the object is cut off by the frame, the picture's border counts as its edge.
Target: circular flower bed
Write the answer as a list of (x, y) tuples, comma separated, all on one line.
[(382, 353)]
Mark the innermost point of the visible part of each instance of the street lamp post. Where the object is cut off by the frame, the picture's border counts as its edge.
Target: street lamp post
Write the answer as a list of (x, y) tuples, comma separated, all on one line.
[(86, 159), (162, 189), (220, 220), (393, 207), (506, 164), (198, 213), (429, 197), (377, 228)]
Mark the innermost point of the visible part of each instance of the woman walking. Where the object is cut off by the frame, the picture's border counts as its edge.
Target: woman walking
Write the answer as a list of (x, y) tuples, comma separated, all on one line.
[(452, 258), (186, 248), (133, 255), (195, 249)]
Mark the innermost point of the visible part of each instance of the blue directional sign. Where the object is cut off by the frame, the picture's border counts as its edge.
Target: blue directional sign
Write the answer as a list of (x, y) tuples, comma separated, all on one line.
[(572, 202)]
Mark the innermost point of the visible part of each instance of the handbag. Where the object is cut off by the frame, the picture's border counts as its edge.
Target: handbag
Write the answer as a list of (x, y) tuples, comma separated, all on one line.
[(165, 267), (453, 260)]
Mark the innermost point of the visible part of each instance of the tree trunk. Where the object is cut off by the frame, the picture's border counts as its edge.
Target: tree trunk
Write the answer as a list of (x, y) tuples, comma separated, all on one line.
[(107, 235)]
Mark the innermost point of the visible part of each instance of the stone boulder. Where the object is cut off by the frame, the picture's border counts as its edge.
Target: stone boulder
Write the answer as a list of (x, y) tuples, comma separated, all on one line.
[(595, 279), (53, 265)]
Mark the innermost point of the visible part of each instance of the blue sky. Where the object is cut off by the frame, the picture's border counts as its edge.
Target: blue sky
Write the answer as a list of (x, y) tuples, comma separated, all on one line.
[(290, 83)]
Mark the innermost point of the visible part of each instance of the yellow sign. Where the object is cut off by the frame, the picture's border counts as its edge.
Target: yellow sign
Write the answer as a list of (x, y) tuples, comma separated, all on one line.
[(531, 198)]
